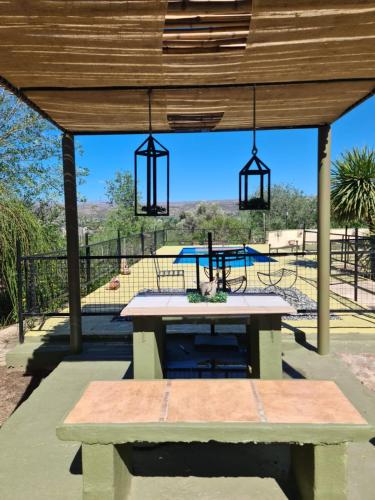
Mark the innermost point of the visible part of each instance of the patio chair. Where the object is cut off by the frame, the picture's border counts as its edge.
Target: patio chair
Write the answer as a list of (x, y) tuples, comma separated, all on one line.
[(237, 283), (282, 280), (166, 273)]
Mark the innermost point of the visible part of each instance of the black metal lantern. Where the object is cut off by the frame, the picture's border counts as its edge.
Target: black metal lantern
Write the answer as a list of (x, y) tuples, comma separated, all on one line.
[(255, 178), (151, 176)]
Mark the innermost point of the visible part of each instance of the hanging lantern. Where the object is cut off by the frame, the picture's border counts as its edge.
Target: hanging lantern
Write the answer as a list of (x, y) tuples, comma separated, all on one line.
[(255, 178), (151, 175)]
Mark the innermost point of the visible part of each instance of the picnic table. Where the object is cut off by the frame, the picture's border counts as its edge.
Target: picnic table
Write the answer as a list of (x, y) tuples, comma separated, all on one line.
[(260, 312)]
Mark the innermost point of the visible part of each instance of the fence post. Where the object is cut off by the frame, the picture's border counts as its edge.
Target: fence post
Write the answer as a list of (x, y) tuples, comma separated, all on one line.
[(264, 228), (119, 249), (197, 274), (211, 271), (304, 238), (88, 262), (346, 247), (155, 240), (224, 273), (269, 258), (356, 262), (142, 243), (21, 334)]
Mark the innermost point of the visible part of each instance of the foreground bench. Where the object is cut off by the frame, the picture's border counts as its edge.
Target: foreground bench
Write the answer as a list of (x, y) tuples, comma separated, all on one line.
[(313, 416)]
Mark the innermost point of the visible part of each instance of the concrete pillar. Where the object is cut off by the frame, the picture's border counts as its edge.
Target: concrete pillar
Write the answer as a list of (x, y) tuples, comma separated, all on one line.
[(72, 242), (324, 228), (264, 343), (320, 471), (148, 348), (106, 471)]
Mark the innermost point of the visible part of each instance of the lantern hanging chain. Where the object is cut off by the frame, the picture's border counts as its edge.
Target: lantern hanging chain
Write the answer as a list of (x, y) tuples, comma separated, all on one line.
[(255, 149), (149, 112)]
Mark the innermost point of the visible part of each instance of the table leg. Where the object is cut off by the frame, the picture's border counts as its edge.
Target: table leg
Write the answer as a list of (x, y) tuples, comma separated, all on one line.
[(106, 471), (148, 348), (320, 471), (264, 342)]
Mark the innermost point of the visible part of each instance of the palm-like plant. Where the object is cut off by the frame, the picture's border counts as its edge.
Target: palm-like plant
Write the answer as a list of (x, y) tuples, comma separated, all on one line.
[(353, 192), (353, 187)]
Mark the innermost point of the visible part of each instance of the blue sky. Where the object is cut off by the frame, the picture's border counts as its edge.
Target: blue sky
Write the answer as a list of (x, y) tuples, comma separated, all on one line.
[(205, 166)]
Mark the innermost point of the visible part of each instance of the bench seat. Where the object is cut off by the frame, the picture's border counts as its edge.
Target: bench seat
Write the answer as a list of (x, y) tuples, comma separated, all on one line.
[(314, 417)]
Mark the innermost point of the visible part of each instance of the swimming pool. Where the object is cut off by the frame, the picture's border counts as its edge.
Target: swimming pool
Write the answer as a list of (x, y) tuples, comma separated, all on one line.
[(186, 256)]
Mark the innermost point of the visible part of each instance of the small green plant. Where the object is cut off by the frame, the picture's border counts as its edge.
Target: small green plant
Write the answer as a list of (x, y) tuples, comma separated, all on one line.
[(195, 297)]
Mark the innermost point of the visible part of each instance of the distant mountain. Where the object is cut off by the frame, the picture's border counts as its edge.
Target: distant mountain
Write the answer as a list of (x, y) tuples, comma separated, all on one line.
[(95, 209), (229, 206), (99, 209)]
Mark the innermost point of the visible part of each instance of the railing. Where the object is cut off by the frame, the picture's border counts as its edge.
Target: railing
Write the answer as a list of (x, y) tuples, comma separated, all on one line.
[(237, 236), (108, 282)]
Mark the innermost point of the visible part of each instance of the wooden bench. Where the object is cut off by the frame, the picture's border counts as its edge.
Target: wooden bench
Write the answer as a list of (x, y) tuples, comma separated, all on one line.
[(314, 417)]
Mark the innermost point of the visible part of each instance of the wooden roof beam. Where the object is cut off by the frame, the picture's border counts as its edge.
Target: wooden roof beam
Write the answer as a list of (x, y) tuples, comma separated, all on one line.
[(186, 44), (23, 97), (171, 21), (189, 28), (206, 35), (207, 7)]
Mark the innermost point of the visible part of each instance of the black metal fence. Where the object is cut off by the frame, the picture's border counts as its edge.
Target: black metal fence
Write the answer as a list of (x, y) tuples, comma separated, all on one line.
[(224, 235), (114, 271), (353, 261), (108, 282)]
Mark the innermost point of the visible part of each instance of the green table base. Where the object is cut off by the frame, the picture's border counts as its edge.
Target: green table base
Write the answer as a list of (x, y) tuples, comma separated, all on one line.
[(264, 342), (148, 348), (263, 339)]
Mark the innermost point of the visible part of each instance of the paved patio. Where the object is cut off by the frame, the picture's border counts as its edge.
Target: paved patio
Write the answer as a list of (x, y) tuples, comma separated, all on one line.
[(34, 464)]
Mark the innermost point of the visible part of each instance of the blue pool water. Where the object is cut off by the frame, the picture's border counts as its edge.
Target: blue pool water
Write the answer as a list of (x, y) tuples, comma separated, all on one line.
[(186, 256)]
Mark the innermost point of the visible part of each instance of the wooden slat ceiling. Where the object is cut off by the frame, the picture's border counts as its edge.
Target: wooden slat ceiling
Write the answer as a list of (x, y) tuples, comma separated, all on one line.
[(310, 59)]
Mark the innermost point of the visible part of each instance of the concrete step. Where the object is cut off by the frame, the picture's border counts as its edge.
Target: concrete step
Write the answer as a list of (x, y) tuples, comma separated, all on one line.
[(36, 355), (33, 356), (34, 463)]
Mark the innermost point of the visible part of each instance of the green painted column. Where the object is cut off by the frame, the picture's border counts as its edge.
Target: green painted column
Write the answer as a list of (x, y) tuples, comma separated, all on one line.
[(264, 341), (148, 348), (106, 471), (72, 242), (324, 228), (320, 471)]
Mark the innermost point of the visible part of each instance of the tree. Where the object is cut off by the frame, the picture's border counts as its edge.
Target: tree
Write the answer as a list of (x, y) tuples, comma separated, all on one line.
[(17, 223), (30, 154), (353, 188), (120, 194), (290, 208), (353, 192)]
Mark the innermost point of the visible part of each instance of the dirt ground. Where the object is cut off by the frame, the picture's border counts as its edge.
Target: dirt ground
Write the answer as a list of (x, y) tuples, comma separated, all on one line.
[(15, 385), (363, 367)]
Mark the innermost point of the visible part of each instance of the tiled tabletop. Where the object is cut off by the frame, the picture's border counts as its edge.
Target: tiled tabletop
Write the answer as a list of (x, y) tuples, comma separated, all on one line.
[(188, 401), (178, 305)]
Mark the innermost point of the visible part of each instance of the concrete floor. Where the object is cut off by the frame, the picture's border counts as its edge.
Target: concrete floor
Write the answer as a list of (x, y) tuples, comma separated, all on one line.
[(34, 464)]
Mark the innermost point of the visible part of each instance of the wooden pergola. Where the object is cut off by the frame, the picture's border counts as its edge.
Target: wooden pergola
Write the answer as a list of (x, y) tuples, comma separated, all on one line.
[(87, 66)]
